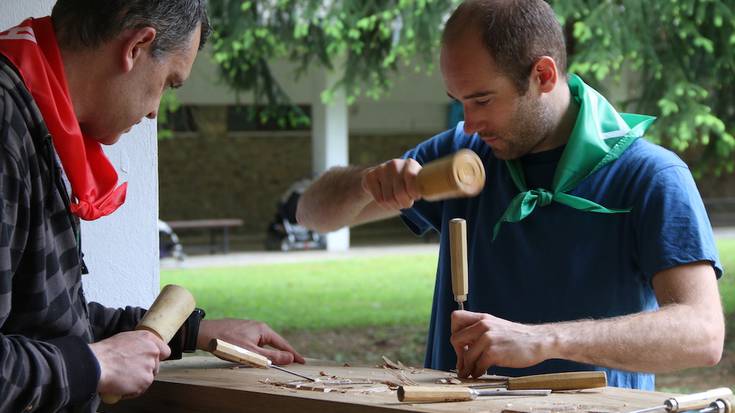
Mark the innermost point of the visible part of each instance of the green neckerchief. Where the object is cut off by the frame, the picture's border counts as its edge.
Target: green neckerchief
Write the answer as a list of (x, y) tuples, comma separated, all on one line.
[(600, 136)]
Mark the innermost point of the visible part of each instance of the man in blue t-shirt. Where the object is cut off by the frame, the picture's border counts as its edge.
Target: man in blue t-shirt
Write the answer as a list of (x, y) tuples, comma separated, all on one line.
[(588, 248)]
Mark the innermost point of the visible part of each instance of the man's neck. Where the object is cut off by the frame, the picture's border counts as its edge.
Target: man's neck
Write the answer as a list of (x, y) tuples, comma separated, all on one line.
[(80, 79), (566, 115)]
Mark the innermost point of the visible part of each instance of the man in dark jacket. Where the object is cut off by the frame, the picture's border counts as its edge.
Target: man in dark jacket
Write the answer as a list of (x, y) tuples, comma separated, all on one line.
[(69, 83)]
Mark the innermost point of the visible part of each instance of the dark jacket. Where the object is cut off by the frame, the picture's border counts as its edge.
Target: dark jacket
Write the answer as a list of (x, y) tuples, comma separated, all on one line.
[(45, 321)]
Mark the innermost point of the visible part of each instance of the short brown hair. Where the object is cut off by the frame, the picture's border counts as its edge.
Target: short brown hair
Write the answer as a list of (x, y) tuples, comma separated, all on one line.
[(515, 33)]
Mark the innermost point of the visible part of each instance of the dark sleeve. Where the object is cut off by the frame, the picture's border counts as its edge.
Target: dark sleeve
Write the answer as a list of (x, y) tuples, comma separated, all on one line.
[(34, 375), (672, 224), (107, 322)]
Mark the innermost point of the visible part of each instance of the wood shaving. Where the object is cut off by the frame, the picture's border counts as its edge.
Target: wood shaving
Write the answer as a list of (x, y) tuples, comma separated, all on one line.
[(335, 386), (451, 380), (401, 376), (389, 363)]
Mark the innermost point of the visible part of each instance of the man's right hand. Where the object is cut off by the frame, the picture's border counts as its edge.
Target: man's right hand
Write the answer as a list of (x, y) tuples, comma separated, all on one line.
[(393, 184), (128, 362)]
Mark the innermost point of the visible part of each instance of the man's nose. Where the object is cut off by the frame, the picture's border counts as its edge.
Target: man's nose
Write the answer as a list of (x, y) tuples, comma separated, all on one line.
[(471, 124)]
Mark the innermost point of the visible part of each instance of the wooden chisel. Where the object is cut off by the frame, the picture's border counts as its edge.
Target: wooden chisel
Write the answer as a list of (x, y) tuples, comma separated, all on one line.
[(575, 380), (458, 253), (434, 394), (538, 385), (694, 401), (231, 352)]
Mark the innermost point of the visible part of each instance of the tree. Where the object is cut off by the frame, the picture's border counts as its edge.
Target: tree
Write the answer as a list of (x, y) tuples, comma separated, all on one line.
[(679, 51), (371, 38)]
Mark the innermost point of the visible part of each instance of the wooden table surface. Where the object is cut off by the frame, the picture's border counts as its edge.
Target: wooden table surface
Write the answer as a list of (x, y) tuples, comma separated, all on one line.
[(207, 384)]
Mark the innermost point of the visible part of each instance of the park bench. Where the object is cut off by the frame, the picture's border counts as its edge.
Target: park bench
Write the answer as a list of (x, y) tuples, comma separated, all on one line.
[(721, 211), (214, 226)]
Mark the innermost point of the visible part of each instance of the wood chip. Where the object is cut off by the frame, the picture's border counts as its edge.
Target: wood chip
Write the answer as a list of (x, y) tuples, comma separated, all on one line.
[(402, 378), (390, 363)]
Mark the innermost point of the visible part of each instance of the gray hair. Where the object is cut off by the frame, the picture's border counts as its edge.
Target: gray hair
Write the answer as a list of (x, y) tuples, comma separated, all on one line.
[(85, 24)]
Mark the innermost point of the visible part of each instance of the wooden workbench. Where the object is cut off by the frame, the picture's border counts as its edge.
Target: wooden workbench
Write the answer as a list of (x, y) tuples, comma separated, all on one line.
[(207, 384)]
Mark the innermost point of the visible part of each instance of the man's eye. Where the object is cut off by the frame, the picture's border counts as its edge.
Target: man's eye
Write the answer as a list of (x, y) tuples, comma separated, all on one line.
[(482, 102)]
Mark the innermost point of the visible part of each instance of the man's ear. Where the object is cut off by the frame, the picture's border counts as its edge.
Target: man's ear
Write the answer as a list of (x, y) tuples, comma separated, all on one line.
[(545, 74), (136, 43)]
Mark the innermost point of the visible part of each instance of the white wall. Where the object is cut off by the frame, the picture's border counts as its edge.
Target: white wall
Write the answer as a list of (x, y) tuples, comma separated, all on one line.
[(121, 250), (417, 102)]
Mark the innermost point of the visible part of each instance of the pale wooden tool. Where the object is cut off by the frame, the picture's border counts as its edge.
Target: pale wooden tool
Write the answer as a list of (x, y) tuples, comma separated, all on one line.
[(694, 401), (167, 313), (718, 406), (458, 175), (574, 380), (538, 385), (236, 354), (434, 394), (458, 253)]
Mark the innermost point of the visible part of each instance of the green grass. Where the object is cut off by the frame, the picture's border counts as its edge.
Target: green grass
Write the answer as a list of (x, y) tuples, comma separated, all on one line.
[(385, 291), (331, 294), (727, 282)]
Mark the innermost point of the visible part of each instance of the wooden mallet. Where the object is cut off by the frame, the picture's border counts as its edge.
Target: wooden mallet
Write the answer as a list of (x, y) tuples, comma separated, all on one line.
[(458, 175), (169, 311)]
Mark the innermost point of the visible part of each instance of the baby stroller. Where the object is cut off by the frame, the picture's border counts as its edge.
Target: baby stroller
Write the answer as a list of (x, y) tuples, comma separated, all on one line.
[(284, 233), (168, 243)]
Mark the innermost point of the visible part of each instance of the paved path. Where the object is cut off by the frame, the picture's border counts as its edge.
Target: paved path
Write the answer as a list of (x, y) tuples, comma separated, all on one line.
[(240, 259)]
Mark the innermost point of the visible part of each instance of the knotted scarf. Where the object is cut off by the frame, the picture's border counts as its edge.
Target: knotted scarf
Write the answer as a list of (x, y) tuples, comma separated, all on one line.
[(600, 135), (33, 50)]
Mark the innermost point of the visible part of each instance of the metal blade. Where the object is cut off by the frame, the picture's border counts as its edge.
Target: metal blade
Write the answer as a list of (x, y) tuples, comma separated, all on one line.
[(506, 392), (649, 409), (291, 372)]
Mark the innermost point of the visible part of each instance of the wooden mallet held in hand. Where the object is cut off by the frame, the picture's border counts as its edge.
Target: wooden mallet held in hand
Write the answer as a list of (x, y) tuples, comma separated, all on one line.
[(458, 175), (169, 311), (458, 253)]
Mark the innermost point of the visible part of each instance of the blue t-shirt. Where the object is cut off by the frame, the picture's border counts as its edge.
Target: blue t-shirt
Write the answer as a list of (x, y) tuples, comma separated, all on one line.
[(560, 263)]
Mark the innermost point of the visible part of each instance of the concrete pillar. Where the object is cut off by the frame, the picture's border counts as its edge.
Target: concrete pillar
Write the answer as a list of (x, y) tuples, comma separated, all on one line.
[(329, 142)]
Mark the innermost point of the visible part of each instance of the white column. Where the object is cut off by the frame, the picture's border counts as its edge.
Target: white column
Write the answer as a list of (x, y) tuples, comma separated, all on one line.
[(329, 142)]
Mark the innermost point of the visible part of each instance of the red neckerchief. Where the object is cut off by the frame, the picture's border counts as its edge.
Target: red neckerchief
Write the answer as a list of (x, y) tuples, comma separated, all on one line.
[(32, 48)]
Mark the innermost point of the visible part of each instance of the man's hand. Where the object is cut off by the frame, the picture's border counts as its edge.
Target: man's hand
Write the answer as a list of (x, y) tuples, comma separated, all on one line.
[(393, 184), (128, 362), (481, 341), (251, 335)]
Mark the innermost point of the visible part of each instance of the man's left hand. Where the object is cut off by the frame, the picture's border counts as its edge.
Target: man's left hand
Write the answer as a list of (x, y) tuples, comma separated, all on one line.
[(482, 340), (251, 335)]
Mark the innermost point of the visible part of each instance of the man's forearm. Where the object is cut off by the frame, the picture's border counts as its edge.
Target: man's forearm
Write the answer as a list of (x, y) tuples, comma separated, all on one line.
[(334, 200), (674, 337)]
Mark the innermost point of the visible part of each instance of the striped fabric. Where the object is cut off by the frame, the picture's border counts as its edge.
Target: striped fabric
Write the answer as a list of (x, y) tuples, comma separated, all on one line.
[(45, 322)]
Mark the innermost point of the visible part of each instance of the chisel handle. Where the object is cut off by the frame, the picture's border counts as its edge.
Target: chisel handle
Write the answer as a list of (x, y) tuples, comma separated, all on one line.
[(575, 380), (458, 252), (460, 174), (237, 354), (697, 400), (434, 394)]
